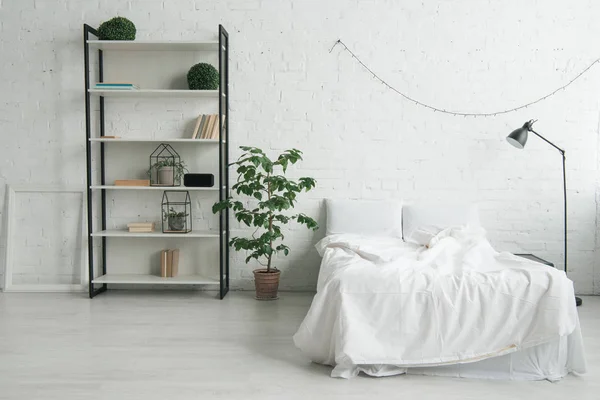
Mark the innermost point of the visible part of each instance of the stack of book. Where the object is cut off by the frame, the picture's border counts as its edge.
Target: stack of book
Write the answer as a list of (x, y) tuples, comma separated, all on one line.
[(115, 86), (141, 227), (207, 127), (169, 263)]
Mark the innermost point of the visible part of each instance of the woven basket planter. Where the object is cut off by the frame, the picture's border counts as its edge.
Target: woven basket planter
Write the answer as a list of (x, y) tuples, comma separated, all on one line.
[(266, 284)]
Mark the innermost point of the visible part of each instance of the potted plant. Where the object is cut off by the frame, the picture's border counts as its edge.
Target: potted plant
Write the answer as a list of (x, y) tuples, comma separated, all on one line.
[(175, 219), (168, 172), (117, 28), (264, 180), (203, 76)]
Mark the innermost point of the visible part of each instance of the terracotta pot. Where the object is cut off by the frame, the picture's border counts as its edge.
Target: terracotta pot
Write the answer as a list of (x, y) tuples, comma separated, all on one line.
[(266, 283)]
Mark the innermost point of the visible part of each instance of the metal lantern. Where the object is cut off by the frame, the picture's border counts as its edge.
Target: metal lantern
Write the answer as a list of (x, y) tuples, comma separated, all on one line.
[(165, 166), (176, 212)]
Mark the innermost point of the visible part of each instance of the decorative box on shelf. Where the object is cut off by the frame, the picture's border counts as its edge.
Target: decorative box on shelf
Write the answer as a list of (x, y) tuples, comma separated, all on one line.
[(166, 168), (177, 212)]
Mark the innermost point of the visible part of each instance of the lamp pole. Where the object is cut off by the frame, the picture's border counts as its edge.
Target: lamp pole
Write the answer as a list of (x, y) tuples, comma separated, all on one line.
[(564, 171)]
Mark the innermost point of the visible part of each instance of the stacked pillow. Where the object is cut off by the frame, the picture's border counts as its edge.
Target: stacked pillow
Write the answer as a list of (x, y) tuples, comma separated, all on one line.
[(416, 224)]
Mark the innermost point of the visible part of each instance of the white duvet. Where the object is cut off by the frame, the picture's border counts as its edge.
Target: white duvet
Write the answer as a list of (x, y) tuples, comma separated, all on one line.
[(389, 303)]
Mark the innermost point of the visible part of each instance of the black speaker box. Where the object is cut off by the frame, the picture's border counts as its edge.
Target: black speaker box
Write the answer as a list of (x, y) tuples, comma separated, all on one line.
[(199, 180)]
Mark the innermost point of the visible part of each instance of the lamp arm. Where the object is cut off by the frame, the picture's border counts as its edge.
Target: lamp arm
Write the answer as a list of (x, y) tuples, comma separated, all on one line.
[(547, 141)]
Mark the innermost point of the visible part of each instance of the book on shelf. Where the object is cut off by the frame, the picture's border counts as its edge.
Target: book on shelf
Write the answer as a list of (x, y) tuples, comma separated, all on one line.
[(140, 230), (205, 126), (209, 127), (140, 227), (132, 182), (173, 262), (163, 263), (169, 263), (198, 126), (116, 86), (216, 131), (215, 123)]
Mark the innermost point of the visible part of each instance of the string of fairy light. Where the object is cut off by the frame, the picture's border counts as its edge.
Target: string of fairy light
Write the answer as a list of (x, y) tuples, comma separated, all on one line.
[(339, 42)]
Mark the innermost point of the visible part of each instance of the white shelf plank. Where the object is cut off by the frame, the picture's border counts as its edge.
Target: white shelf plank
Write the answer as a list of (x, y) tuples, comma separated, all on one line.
[(153, 279), (175, 188), (165, 93), (149, 45), (155, 234), (141, 140)]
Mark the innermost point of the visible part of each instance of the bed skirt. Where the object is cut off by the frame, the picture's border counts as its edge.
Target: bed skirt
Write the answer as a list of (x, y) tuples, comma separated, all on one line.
[(549, 361)]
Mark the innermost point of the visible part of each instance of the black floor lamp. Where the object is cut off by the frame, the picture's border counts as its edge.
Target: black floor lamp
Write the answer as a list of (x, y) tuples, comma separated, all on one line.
[(518, 138)]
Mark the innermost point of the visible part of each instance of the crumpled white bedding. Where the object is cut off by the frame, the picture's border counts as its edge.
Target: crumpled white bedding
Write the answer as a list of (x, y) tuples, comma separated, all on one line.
[(384, 302)]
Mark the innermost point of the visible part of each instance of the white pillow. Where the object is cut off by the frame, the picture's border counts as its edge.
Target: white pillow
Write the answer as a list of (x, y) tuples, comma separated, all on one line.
[(422, 222), (364, 217)]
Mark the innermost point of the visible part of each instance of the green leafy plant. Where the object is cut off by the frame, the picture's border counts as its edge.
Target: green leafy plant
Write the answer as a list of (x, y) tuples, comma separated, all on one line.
[(275, 193), (203, 76), (176, 219), (179, 168), (117, 28), (172, 213)]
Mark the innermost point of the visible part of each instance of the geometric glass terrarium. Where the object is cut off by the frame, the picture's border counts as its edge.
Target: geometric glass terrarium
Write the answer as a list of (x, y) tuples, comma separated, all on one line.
[(166, 167), (176, 212)]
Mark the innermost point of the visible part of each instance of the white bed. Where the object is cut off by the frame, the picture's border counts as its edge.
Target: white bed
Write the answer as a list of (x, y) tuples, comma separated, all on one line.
[(387, 304)]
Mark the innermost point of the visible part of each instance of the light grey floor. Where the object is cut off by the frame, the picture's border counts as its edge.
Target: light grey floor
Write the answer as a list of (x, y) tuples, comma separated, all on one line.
[(168, 346)]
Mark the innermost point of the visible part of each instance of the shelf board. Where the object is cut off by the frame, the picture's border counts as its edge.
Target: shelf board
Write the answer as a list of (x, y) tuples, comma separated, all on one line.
[(156, 234), (151, 45), (173, 188), (154, 279), (141, 140), (153, 93)]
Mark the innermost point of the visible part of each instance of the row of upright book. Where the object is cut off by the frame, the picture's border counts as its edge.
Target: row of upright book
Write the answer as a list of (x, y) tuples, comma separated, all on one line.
[(169, 263), (207, 127)]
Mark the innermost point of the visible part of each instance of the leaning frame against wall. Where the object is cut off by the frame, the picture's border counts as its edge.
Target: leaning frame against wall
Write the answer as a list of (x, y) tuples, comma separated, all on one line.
[(99, 284), (9, 285)]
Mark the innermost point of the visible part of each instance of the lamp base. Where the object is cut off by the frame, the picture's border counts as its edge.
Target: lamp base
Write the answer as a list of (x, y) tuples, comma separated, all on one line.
[(578, 301)]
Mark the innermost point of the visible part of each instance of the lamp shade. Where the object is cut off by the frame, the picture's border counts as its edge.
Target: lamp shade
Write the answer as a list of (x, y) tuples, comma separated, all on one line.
[(518, 137)]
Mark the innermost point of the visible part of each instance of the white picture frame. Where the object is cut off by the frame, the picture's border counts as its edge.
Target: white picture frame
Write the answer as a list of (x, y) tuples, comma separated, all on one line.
[(12, 191)]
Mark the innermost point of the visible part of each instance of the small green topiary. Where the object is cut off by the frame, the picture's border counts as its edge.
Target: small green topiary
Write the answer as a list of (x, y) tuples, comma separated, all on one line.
[(117, 28), (203, 77)]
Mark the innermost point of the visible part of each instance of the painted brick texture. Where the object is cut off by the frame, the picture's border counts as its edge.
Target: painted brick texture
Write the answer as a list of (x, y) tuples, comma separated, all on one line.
[(360, 140)]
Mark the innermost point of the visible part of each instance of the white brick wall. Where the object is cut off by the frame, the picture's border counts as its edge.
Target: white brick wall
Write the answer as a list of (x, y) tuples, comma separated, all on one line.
[(360, 140)]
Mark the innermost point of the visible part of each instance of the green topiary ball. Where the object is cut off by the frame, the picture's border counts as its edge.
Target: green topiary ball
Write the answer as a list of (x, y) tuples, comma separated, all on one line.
[(118, 28), (203, 77)]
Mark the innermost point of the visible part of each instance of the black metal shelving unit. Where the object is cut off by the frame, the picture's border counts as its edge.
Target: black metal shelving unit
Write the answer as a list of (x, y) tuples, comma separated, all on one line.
[(223, 146)]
